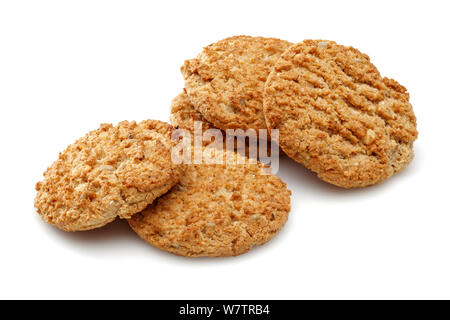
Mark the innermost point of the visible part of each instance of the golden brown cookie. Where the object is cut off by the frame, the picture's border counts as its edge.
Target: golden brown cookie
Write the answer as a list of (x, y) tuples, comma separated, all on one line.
[(183, 115), (112, 171), (226, 81), (338, 116), (216, 210)]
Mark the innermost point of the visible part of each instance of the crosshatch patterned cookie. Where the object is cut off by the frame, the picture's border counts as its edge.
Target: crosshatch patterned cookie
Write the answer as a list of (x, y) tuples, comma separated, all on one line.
[(112, 171), (338, 116), (226, 81), (216, 210)]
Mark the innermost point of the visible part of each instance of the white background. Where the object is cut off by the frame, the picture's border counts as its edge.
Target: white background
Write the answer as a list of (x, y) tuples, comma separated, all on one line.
[(67, 66)]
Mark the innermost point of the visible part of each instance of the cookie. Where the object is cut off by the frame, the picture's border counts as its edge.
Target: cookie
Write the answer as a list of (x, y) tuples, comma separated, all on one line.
[(112, 171), (338, 116), (216, 210), (183, 115), (226, 81)]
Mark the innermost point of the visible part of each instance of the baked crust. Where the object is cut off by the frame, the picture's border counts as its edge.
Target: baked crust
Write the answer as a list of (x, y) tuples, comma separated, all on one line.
[(338, 116), (183, 114), (216, 210), (226, 81), (112, 171)]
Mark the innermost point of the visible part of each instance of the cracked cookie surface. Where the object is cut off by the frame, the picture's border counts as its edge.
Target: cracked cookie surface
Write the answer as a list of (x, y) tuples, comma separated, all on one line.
[(183, 115), (338, 116), (226, 81), (112, 171), (216, 210)]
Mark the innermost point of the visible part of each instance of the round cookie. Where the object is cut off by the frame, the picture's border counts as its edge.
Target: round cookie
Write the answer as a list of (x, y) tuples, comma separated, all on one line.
[(338, 116), (216, 210), (112, 171), (226, 81), (183, 114)]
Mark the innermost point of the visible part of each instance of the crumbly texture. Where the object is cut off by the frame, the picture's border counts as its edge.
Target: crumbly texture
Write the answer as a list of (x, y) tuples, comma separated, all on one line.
[(112, 171), (183, 115), (216, 210), (338, 116), (226, 81)]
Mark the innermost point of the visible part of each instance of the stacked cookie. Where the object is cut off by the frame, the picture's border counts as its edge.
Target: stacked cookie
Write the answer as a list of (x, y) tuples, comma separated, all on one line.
[(110, 172), (129, 171), (216, 210), (333, 113)]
